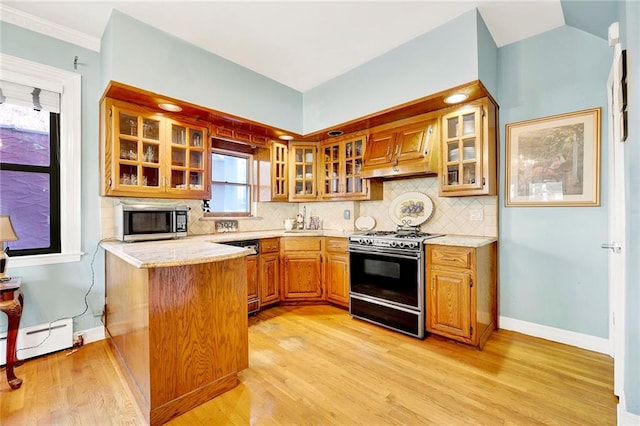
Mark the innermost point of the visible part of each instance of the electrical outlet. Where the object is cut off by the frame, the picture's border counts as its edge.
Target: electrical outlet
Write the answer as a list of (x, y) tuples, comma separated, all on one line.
[(476, 214), (346, 214)]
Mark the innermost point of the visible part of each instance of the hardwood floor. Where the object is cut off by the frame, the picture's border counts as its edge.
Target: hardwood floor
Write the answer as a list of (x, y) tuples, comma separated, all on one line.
[(316, 365)]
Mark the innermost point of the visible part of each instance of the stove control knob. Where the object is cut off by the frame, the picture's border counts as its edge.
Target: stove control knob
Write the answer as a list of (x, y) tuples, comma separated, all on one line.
[(400, 244), (392, 243), (367, 241), (411, 245)]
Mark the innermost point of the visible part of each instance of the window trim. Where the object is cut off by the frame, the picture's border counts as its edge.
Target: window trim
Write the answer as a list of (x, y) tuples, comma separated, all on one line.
[(249, 158), (69, 85)]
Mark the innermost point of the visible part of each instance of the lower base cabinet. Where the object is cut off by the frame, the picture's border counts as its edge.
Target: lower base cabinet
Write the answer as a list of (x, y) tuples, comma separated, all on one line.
[(301, 268), (461, 292), (336, 272), (269, 271)]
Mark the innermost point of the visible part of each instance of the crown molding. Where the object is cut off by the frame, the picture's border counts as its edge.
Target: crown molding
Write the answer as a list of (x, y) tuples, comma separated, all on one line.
[(48, 28)]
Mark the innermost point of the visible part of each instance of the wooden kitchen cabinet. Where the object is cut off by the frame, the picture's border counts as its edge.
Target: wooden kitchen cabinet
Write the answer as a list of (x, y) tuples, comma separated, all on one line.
[(341, 171), (269, 271), (303, 164), (336, 275), (301, 260), (146, 154), (402, 148), (461, 292), (469, 144), (279, 172)]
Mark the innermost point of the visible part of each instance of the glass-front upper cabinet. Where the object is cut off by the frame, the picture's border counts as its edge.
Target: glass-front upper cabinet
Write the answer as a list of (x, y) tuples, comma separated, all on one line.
[(469, 150), (302, 171), (354, 152), (462, 149), (146, 154), (279, 172), (137, 142), (341, 164), (188, 158)]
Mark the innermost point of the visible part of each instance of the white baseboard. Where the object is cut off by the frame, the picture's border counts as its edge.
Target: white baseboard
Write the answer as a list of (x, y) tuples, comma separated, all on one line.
[(584, 341), (92, 334), (626, 418)]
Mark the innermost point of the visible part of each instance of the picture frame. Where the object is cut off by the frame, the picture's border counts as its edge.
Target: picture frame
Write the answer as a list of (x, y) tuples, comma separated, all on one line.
[(554, 161)]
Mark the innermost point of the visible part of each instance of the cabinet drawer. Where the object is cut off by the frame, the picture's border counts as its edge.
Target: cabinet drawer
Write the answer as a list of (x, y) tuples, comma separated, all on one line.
[(301, 244), (453, 257), (270, 245), (336, 244)]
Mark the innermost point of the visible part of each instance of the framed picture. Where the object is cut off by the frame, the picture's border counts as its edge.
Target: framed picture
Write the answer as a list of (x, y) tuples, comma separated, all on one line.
[(554, 161)]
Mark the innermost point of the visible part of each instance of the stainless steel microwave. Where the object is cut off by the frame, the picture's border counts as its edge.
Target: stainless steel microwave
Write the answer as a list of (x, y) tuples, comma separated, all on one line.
[(139, 222)]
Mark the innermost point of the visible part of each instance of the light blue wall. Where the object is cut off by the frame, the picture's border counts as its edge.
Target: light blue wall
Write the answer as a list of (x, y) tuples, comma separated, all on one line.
[(164, 64), (56, 291), (552, 269), (435, 61), (487, 58), (630, 35)]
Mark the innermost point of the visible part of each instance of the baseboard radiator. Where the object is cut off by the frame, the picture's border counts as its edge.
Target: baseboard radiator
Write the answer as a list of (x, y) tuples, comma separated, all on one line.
[(30, 339)]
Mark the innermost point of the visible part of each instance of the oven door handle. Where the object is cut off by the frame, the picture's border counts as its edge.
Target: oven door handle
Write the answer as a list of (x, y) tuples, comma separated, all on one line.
[(390, 253)]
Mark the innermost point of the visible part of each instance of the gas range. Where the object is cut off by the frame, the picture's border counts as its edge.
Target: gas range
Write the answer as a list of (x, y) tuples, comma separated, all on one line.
[(404, 238)]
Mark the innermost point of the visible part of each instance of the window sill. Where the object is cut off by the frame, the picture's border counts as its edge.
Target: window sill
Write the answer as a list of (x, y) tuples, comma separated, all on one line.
[(44, 259)]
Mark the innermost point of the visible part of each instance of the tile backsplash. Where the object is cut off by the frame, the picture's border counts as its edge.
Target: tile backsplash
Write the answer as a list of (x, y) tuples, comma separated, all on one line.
[(451, 215)]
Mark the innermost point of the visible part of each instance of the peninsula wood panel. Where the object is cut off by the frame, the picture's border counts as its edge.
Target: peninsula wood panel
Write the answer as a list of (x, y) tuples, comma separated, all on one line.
[(127, 318), (195, 339)]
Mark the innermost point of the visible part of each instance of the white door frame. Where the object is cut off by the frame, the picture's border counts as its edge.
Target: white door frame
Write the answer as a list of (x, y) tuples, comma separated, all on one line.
[(617, 224)]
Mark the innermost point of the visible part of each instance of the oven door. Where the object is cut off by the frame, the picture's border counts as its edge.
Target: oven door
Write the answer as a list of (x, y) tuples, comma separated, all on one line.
[(388, 275)]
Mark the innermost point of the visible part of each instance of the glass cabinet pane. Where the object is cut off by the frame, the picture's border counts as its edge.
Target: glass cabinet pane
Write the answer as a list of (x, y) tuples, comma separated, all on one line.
[(195, 180), (452, 127), (128, 124), (150, 129), (128, 174), (128, 150), (195, 139), (178, 135), (150, 153), (469, 124), (178, 157), (150, 176), (195, 160), (178, 179)]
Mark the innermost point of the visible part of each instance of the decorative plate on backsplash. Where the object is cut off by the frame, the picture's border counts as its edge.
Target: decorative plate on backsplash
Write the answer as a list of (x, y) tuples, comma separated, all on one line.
[(411, 209), (365, 223)]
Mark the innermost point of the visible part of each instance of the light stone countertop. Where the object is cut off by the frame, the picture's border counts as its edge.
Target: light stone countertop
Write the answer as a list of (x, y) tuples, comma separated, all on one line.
[(461, 240), (158, 254), (207, 248)]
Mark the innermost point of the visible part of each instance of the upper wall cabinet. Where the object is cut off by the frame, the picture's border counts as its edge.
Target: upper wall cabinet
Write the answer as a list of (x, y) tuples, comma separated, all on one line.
[(403, 148), (469, 141), (341, 171), (145, 154), (303, 164), (272, 165)]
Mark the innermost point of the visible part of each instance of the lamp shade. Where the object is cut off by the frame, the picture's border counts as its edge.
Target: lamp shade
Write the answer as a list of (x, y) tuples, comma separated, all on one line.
[(6, 229)]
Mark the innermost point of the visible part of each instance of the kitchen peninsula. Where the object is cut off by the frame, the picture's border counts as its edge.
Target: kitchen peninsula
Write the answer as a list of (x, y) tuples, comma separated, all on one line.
[(176, 315)]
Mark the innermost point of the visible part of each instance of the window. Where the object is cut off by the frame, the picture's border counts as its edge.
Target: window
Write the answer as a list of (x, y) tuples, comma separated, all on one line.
[(29, 167), (230, 183), (48, 199)]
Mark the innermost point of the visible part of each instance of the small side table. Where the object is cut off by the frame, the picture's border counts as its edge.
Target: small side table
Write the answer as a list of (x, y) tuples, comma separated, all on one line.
[(11, 303)]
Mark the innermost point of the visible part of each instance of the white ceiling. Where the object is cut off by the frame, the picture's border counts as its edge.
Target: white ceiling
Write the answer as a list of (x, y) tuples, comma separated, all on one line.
[(300, 44)]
